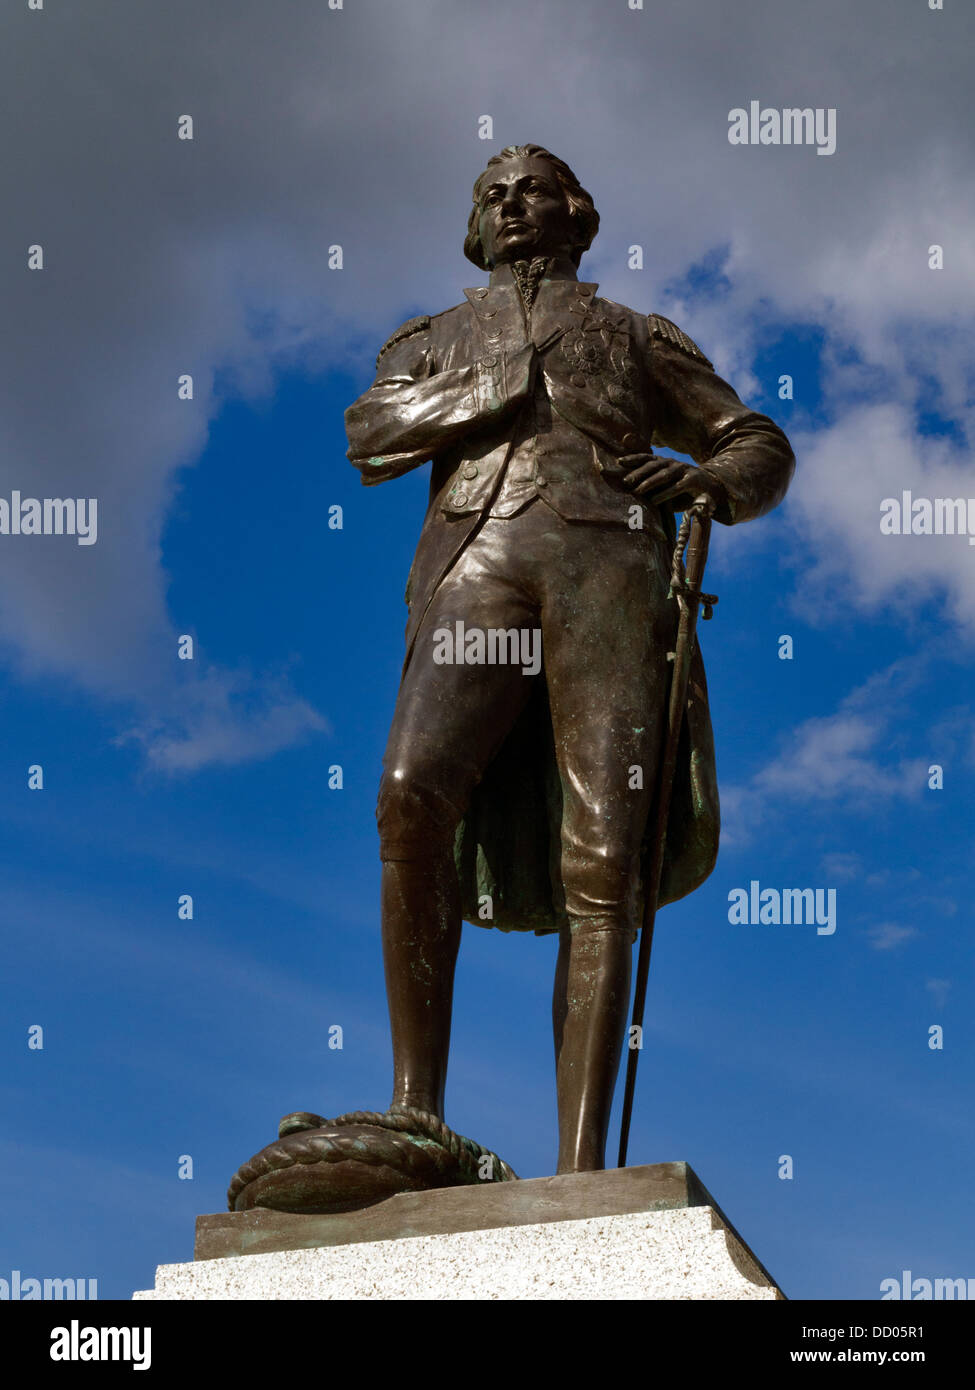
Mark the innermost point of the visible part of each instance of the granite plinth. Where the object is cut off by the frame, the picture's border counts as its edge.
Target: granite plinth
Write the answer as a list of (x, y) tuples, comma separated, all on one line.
[(649, 1232)]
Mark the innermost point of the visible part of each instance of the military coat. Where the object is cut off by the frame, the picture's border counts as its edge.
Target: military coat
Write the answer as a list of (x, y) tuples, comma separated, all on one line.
[(513, 406)]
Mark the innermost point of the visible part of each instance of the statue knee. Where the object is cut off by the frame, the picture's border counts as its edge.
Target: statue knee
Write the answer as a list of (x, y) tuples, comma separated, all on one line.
[(593, 931), (415, 820), (602, 888)]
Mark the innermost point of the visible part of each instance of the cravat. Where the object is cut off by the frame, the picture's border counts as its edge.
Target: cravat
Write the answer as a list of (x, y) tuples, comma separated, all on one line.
[(528, 276)]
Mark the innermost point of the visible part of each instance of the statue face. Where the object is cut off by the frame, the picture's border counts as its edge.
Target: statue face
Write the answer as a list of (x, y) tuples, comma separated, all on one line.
[(523, 212)]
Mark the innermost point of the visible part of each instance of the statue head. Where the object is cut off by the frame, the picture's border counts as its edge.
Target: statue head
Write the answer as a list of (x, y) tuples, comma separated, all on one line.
[(528, 203)]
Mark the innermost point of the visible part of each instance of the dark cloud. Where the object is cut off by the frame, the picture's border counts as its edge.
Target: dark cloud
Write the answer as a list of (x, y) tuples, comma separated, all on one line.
[(359, 126)]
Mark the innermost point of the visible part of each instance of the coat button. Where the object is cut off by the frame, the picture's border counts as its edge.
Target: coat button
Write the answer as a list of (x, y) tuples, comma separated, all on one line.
[(581, 290), (480, 294), (461, 499), (578, 308), (605, 410), (470, 470), (490, 361), (490, 313), (541, 482), (630, 441), (579, 380)]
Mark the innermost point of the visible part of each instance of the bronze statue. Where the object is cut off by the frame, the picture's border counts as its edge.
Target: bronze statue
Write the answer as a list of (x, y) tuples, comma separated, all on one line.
[(517, 791)]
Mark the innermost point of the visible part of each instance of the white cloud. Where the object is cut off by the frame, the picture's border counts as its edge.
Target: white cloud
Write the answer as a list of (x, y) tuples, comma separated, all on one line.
[(938, 989), (875, 452), (225, 718), (841, 758), (888, 936), (842, 867)]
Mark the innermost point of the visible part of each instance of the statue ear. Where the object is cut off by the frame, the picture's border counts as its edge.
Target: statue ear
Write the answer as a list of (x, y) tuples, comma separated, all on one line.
[(473, 249), (575, 220)]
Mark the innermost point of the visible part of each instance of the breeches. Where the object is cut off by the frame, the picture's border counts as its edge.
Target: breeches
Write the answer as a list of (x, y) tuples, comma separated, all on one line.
[(595, 597)]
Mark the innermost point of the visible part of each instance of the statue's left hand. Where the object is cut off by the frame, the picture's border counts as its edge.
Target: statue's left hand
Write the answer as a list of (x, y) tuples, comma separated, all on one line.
[(669, 480)]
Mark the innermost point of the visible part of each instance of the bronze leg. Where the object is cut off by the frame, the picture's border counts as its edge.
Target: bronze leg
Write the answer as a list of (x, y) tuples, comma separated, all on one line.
[(606, 693), (449, 722), (421, 938), (589, 1012)]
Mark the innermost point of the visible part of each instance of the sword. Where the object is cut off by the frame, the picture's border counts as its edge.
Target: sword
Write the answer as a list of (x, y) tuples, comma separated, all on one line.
[(694, 535)]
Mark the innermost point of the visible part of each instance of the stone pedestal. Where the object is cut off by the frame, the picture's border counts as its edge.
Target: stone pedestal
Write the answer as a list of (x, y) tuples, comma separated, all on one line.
[(650, 1232)]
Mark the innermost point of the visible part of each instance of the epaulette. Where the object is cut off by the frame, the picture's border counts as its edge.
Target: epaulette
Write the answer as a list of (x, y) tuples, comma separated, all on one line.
[(405, 330), (676, 337)]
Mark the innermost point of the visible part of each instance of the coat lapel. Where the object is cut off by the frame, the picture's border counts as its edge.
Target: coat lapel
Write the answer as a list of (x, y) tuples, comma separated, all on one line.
[(559, 306)]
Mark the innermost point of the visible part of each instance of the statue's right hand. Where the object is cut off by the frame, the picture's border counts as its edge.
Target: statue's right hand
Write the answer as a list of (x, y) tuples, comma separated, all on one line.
[(520, 369)]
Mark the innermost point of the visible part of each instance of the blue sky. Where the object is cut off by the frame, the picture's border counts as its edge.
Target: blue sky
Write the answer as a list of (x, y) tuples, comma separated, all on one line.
[(165, 1037)]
